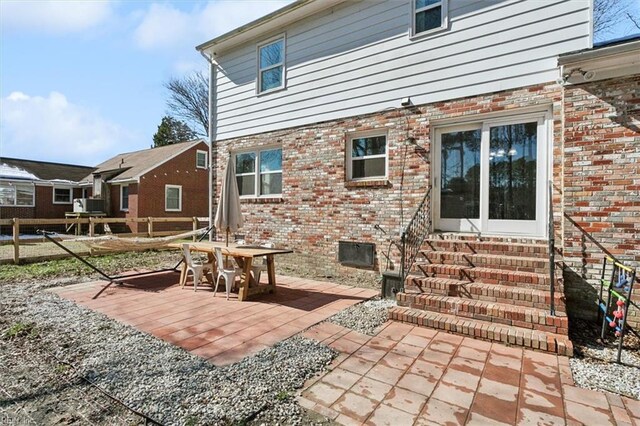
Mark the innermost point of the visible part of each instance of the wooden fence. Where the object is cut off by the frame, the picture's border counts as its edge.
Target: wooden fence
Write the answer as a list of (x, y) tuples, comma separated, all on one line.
[(76, 225)]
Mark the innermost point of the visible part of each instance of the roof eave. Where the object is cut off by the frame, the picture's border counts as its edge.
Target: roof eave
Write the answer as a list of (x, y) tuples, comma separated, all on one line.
[(275, 20)]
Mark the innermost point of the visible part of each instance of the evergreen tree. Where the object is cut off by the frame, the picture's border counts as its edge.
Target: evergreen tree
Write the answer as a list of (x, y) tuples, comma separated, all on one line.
[(172, 131)]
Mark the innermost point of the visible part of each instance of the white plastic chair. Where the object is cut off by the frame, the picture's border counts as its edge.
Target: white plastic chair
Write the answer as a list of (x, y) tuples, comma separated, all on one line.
[(197, 269), (259, 268), (229, 274)]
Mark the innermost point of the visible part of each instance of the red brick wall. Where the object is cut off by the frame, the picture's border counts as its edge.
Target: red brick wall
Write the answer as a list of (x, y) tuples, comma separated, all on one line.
[(318, 208), (114, 194), (181, 170), (44, 207), (601, 181)]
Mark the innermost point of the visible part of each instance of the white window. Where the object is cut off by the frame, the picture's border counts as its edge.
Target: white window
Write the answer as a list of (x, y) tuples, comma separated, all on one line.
[(259, 173), (367, 157), (17, 194), (428, 16), (173, 198), (124, 198), (271, 65), (201, 159), (62, 195)]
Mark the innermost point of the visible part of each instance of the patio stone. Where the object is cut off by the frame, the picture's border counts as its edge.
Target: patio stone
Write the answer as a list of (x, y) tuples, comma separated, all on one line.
[(372, 389), (405, 400), (385, 374), (219, 329), (355, 406), (357, 365), (442, 413), (389, 416), (323, 393), (340, 378)]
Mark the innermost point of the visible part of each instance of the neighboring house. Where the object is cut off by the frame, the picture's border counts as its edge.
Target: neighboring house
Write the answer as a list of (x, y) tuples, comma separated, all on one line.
[(342, 115), (166, 181), (38, 189)]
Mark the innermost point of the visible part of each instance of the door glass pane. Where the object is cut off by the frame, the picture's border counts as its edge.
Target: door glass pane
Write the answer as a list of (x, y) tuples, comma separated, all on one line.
[(460, 171), (512, 171)]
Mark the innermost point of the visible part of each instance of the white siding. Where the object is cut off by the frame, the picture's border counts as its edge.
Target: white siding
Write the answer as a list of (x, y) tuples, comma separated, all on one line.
[(358, 58)]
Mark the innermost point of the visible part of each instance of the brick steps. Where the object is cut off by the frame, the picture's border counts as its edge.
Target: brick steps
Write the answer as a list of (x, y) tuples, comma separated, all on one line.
[(491, 331), (497, 261), (503, 313), (487, 275), (497, 247), (520, 296)]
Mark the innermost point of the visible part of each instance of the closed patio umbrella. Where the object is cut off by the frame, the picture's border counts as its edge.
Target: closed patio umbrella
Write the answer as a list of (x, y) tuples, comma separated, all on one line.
[(228, 215)]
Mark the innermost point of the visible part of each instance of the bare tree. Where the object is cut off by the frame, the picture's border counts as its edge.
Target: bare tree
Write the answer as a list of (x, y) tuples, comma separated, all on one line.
[(189, 100), (634, 20), (608, 14)]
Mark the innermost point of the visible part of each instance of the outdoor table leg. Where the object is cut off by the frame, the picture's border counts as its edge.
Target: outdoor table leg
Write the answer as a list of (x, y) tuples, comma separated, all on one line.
[(244, 288), (271, 271)]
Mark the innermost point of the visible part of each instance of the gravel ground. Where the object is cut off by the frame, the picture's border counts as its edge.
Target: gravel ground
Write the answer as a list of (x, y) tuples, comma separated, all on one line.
[(365, 317), (152, 376), (594, 365)]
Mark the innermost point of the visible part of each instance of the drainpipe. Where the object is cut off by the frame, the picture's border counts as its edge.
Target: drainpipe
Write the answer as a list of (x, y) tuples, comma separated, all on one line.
[(212, 131)]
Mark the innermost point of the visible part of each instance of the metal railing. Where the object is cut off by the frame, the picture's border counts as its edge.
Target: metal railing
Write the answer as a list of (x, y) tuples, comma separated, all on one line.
[(414, 235), (552, 253)]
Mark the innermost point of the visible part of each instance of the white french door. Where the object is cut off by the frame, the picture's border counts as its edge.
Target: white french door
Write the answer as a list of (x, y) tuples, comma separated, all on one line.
[(490, 177)]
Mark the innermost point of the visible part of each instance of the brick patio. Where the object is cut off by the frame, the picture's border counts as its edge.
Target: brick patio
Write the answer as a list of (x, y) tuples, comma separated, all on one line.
[(211, 327), (411, 375)]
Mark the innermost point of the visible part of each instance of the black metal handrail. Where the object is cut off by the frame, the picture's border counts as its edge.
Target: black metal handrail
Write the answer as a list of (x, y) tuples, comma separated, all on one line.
[(414, 235), (552, 254)]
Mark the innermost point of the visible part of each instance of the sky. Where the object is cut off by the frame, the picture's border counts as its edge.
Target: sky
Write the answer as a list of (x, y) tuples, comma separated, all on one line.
[(81, 81)]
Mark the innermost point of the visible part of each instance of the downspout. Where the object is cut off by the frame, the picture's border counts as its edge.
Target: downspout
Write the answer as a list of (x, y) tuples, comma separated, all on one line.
[(212, 130)]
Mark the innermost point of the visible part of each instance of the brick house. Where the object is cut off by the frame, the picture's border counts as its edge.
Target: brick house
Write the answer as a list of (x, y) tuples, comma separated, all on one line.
[(38, 189), (166, 181), (348, 119)]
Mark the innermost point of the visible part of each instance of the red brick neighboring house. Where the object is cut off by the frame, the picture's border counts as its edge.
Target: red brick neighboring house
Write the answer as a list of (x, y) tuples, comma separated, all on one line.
[(38, 189), (167, 181)]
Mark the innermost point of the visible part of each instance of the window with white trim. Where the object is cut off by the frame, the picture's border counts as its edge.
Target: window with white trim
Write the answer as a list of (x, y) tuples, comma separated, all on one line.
[(428, 15), (367, 157), (201, 159), (17, 194), (173, 198), (259, 173), (124, 198), (62, 195), (271, 69)]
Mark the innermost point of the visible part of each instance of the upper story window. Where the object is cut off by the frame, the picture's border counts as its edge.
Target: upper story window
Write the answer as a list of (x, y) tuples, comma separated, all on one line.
[(271, 59), (201, 159), (367, 157), (17, 194), (124, 198), (259, 173), (173, 198), (62, 195), (428, 15)]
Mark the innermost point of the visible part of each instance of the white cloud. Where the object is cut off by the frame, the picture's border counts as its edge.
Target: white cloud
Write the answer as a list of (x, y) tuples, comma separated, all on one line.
[(52, 17), (54, 129), (164, 26)]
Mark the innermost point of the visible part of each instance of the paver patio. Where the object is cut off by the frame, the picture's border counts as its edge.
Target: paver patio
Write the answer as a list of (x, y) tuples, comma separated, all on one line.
[(409, 375), (222, 331)]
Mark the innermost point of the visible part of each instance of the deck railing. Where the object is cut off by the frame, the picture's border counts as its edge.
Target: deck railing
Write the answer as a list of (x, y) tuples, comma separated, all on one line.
[(414, 235)]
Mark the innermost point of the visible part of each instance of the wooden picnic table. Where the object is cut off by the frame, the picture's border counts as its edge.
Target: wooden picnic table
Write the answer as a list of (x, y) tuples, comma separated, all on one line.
[(243, 255)]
